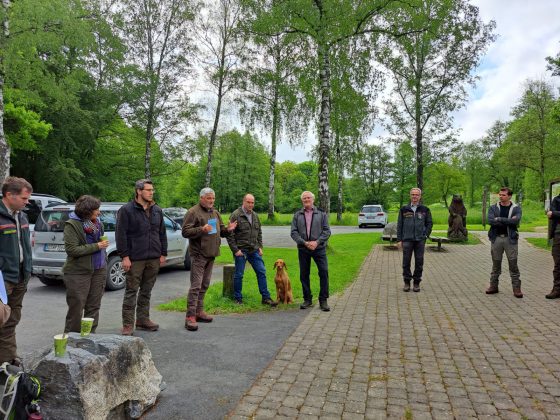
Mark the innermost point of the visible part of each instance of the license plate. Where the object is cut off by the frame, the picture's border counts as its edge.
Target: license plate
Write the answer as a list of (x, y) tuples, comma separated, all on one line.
[(54, 247), (371, 217)]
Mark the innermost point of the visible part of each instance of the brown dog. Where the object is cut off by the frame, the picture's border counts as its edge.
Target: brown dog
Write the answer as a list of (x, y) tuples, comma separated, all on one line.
[(283, 286)]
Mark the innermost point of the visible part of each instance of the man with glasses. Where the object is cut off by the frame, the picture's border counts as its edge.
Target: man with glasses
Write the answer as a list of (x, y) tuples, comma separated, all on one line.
[(142, 244)]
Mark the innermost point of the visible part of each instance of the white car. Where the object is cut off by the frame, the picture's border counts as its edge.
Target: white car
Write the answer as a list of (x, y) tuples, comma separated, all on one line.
[(48, 244), (38, 202), (372, 214)]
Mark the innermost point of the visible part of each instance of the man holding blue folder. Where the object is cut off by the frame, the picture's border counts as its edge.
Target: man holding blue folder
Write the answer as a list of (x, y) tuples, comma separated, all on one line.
[(204, 227), (15, 260)]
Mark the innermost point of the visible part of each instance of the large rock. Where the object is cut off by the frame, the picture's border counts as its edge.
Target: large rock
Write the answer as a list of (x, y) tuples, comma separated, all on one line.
[(101, 376)]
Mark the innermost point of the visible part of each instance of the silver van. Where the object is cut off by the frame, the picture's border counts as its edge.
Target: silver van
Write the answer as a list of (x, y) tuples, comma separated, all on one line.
[(48, 244)]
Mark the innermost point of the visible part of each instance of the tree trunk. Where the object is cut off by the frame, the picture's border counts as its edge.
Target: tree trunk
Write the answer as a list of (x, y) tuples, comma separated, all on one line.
[(271, 179), (4, 147), (324, 121), (419, 151), (148, 154), (212, 142), (340, 174)]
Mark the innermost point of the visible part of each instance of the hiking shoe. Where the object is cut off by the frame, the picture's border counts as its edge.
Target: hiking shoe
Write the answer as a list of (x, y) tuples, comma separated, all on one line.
[(416, 287), (324, 306), (127, 330), (492, 290), (517, 292), (203, 317), (16, 361), (238, 301), (406, 287), (190, 323), (268, 301), (306, 304), (554, 294), (147, 325)]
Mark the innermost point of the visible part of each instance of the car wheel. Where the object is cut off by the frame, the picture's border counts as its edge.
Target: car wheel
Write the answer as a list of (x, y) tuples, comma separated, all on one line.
[(50, 281), (360, 226), (187, 261), (116, 278)]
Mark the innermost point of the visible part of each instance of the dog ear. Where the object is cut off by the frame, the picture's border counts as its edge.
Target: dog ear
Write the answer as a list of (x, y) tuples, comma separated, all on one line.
[(275, 264), (285, 266)]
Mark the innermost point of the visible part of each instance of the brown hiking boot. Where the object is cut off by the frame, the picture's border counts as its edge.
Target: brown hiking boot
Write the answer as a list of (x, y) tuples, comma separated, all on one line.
[(127, 330), (147, 325), (492, 290), (203, 317), (406, 287), (554, 294), (190, 323), (517, 292)]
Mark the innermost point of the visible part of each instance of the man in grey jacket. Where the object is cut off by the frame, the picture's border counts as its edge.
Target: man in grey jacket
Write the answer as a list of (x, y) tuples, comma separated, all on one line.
[(311, 231), (504, 218)]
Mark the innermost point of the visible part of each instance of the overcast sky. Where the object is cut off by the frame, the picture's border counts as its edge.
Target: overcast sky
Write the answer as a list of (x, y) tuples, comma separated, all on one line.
[(528, 31)]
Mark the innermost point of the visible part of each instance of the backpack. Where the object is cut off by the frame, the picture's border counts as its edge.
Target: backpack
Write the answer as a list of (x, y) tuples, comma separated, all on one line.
[(18, 391)]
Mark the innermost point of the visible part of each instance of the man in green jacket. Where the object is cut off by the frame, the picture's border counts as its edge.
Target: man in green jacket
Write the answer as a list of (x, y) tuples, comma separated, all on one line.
[(246, 245), (15, 259)]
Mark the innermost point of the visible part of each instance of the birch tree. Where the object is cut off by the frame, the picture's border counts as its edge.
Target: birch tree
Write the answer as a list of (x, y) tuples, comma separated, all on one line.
[(222, 45), (4, 34), (157, 34), (430, 69)]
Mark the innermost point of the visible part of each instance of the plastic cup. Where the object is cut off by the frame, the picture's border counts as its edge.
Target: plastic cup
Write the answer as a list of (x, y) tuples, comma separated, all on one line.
[(87, 323), (104, 238), (60, 341)]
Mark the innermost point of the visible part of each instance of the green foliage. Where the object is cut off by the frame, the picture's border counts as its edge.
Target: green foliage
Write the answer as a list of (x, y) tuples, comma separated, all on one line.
[(24, 128)]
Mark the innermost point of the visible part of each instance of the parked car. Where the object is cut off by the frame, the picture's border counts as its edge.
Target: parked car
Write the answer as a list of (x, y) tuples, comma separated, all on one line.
[(176, 213), (48, 244), (372, 214), (38, 202)]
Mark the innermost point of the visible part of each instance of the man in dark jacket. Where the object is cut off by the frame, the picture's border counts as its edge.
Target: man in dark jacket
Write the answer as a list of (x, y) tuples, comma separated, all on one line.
[(204, 227), (142, 244), (246, 244), (554, 234), (504, 218), (15, 259), (414, 226), (311, 231)]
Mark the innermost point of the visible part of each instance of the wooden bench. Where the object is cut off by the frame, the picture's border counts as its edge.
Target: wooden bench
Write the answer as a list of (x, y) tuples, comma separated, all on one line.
[(391, 239), (439, 240)]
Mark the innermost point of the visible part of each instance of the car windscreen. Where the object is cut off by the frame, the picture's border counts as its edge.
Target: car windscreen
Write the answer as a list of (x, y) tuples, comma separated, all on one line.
[(52, 220), (371, 209)]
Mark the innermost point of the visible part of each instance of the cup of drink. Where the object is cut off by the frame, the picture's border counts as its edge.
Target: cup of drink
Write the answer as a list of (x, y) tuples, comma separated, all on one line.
[(60, 341), (104, 238), (87, 323)]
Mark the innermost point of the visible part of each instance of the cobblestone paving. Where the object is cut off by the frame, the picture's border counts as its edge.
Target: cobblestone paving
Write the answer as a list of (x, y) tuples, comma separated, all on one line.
[(450, 351)]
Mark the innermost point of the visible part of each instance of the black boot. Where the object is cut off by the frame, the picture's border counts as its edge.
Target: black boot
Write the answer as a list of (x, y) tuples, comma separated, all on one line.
[(554, 294)]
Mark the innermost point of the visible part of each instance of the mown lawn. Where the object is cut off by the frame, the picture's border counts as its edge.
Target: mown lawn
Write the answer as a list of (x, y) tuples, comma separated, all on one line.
[(540, 243), (346, 254)]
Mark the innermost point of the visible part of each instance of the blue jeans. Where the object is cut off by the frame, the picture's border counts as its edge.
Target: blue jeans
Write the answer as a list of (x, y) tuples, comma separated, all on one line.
[(257, 263)]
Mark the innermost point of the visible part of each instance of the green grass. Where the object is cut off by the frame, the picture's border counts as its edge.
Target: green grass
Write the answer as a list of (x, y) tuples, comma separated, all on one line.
[(540, 243), (346, 254)]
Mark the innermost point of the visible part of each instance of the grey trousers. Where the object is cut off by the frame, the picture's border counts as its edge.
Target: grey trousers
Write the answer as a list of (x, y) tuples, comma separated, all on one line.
[(500, 246)]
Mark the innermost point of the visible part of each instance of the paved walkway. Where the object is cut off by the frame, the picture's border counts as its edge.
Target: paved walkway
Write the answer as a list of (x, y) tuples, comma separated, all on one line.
[(448, 351)]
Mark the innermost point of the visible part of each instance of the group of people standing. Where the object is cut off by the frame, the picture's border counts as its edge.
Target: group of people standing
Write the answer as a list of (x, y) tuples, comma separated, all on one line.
[(142, 244), (414, 227)]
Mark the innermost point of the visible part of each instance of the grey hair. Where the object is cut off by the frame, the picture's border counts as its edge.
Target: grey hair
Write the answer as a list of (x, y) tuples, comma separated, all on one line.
[(417, 189), (307, 192), (205, 191)]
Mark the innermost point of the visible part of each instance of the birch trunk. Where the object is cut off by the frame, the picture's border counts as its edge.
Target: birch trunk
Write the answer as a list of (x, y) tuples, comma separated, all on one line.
[(4, 147), (324, 121)]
